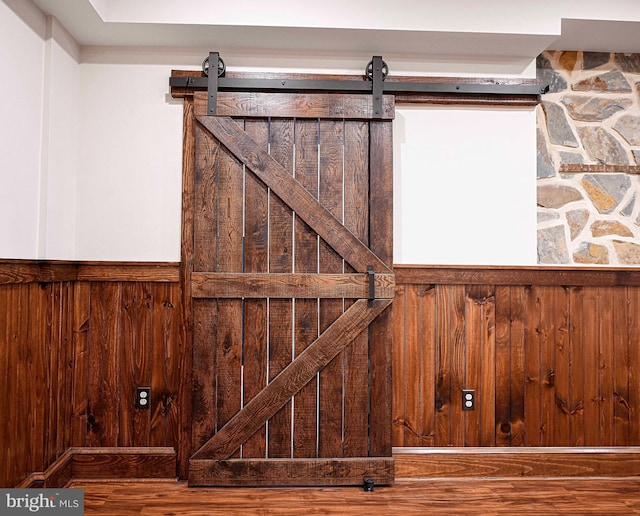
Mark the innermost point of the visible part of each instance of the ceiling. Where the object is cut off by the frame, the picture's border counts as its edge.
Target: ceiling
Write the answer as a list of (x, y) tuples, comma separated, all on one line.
[(413, 28)]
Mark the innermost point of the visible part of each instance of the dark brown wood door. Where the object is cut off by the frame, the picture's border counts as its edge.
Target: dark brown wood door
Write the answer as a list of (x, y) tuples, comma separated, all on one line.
[(292, 205)]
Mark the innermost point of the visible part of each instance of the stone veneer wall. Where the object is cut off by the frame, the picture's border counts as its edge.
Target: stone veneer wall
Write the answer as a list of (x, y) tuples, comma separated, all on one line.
[(591, 116)]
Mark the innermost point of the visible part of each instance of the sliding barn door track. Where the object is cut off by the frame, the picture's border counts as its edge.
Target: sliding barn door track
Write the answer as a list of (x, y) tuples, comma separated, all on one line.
[(374, 81)]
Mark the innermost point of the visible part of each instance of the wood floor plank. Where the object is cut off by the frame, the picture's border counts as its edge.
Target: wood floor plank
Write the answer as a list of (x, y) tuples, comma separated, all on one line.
[(435, 497)]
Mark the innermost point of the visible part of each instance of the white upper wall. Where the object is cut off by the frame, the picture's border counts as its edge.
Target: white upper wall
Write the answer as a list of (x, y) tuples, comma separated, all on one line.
[(130, 164), (91, 140), (60, 141), (464, 185), (21, 109)]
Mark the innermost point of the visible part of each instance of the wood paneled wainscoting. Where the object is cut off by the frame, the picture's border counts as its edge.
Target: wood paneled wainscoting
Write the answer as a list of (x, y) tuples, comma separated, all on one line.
[(553, 356), (76, 339)]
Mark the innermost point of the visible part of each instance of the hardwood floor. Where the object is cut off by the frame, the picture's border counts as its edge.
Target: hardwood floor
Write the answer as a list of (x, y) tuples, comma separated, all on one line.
[(468, 497)]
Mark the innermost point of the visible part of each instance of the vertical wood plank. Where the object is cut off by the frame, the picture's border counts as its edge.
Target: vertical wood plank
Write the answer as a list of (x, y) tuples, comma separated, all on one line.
[(186, 388), (111, 378), (159, 399), (591, 367), (561, 434), (281, 244), (256, 230), (306, 260), (47, 315), (517, 365), (503, 376), (457, 329), (331, 197), (206, 198), (487, 395), (411, 367), (356, 355), (547, 364), (606, 335), (533, 381), (131, 304), (443, 366), (13, 446), (205, 380), (426, 423), (172, 354), (5, 307), (381, 243), (203, 238), (473, 339), (66, 416), (5, 343), (229, 259), (400, 335), (633, 309), (621, 373), (577, 367), (143, 350), (79, 401), (95, 402)]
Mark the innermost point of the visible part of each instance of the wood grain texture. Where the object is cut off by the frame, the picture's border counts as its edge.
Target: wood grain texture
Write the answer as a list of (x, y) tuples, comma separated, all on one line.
[(30, 271), (295, 376), (292, 193), (299, 285), (185, 353), (300, 105), (305, 408), (472, 497), (256, 260), (516, 462), (281, 250), (293, 472), (517, 276), (381, 336), (117, 463), (551, 365), (331, 198), (307, 199)]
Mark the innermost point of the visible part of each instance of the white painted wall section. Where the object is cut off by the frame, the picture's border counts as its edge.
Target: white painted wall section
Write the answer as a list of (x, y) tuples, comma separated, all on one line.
[(21, 105), (464, 186), (130, 164), (60, 155)]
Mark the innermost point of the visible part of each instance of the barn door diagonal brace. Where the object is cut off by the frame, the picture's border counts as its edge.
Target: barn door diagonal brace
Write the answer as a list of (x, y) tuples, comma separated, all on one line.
[(374, 81)]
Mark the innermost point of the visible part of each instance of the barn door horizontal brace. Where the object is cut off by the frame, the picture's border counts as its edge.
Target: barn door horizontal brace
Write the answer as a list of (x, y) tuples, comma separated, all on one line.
[(374, 82)]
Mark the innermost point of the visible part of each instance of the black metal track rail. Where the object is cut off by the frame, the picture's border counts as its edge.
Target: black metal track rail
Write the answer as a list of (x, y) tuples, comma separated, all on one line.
[(377, 86), (347, 86)]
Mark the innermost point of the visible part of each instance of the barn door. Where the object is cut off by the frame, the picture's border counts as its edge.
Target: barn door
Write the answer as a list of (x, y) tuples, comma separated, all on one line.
[(291, 286)]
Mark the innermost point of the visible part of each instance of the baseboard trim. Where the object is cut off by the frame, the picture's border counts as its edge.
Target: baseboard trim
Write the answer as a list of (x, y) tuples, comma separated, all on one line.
[(430, 463), (106, 464), (56, 475)]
